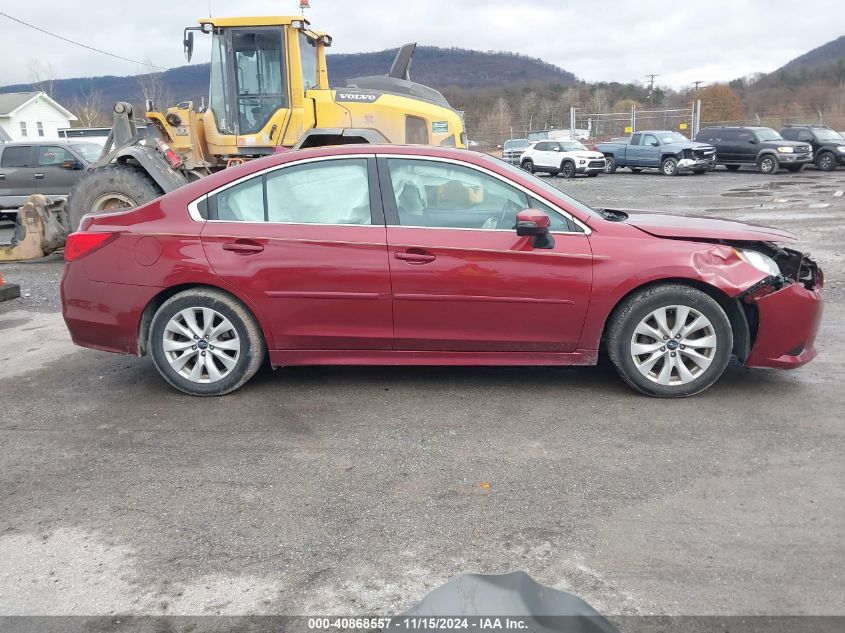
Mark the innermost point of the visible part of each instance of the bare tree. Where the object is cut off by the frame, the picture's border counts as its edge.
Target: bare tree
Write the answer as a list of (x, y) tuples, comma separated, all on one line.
[(548, 112), (528, 110), (42, 75), (153, 87), (496, 123), (88, 108), (600, 100)]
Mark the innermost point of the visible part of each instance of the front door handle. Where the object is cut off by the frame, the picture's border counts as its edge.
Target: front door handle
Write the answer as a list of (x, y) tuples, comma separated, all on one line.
[(243, 248), (39, 176), (2, 176), (415, 257)]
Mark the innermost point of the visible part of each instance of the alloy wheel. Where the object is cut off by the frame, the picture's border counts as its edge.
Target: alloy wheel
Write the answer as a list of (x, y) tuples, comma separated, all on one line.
[(201, 345), (673, 345)]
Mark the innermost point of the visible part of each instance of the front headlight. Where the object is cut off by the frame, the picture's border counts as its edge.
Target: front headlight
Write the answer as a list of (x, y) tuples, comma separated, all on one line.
[(841, 148), (763, 263), (785, 150)]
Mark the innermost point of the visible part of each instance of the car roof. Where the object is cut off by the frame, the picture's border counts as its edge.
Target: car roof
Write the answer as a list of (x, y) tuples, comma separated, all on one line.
[(60, 141)]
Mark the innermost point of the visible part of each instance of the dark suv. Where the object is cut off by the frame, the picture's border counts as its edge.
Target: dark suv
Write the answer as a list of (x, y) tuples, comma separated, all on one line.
[(828, 145), (761, 146)]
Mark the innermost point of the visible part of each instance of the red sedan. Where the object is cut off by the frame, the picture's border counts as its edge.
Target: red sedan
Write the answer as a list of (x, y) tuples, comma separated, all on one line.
[(395, 255)]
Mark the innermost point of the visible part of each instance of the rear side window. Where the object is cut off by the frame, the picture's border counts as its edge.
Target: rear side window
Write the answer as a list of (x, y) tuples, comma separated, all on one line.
[(16, 156), (706, 135), (728, 135), (243, 202), (789, 134), (635, 139)]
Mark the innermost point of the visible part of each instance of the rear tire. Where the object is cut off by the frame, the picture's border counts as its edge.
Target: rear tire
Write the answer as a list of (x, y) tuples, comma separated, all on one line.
[(768, 164), (205, 342), (110, 188), (697, 332)]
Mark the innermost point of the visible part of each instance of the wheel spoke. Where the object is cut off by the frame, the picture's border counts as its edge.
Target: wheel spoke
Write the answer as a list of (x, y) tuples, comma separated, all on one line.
[(177, 328), (704, 341), (662, 324), (227, 360), (180, 361), (646, 366), (646, 330), (207, 321), (700, 322), (190, 318), (683, 371), (638, 349), (221, 328), (699, 359), (171, 345), (196, 370), (211, 368), (681, 316), (665, 375), (231, 344)]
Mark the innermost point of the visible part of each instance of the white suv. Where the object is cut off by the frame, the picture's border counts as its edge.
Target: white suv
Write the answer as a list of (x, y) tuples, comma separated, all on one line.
[(566, 158)]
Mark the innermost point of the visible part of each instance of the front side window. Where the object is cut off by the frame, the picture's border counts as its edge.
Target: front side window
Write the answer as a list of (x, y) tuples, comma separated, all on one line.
[(649, 139), (308, 54), (767, 134), (445, 195), (53, 156), (218, 92), (260, 84)]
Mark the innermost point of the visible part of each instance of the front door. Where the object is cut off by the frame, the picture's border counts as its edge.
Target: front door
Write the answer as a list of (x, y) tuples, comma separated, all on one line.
[(306, 243), (462, 279), (16, 174), (50, 178)]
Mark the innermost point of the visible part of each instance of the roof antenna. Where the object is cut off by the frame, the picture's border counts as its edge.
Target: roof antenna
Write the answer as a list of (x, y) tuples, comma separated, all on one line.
[(304, 4), (209, 8)]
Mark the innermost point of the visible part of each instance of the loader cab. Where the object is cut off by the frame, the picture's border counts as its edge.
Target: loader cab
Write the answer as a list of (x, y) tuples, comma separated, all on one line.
[(261, 69)]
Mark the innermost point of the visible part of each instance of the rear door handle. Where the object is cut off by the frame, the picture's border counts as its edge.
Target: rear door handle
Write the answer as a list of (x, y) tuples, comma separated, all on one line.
[(2, 176), (39, 176), (243, 248), (415, 258)]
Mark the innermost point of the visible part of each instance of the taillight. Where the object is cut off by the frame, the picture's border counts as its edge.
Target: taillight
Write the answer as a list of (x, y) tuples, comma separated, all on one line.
[(81, 243)]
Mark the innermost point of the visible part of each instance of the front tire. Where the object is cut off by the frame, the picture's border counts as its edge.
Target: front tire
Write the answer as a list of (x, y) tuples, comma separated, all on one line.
[(567, 169), (205, 343), (768, 164), (670, 341), (528, 165), (610, 165), (669, 166), (826, 161), (110, 188)]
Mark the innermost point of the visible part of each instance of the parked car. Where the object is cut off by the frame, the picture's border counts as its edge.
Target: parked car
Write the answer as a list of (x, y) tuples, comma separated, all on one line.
[(566, 158), (760, 146), (828, 145), (411, 255), (513, 148), (48, 167), (670, 152)]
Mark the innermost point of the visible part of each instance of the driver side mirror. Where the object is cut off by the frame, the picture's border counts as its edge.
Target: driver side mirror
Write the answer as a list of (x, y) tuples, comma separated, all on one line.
[(654, 143), (753, 141), (71, 164), (534, 223)]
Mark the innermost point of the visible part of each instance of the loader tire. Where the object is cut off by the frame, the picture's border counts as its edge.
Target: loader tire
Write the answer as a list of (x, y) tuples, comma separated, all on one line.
[(110, 188)]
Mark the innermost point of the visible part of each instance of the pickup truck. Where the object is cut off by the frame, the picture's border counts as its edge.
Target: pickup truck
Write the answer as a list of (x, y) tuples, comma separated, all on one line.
[(670, 152)]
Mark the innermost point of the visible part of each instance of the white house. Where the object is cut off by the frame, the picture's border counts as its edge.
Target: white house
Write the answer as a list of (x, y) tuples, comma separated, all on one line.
[(32, 115)]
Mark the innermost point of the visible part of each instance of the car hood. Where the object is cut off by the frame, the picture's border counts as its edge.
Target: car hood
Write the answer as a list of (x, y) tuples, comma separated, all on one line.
[(695, 227)]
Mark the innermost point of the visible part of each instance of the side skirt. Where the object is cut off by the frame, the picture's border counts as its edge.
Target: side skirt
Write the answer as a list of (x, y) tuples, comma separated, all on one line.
[(280, 358)]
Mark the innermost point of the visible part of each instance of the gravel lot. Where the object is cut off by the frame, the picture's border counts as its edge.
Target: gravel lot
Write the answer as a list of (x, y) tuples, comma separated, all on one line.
[(358, 490)]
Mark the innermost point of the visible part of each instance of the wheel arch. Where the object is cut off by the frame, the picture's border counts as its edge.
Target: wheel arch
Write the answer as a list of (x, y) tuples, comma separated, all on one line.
[(742, 317), (158, 300)]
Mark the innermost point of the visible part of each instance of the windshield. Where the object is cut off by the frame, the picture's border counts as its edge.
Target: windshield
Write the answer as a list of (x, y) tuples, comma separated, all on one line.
[(828, 135), (89, 151), (673, 137), (550, 190), (520, 144), (573, 146), (767, 134)]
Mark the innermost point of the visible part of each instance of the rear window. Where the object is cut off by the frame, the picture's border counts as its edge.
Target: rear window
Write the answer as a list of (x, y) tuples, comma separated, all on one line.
[(16, 156)]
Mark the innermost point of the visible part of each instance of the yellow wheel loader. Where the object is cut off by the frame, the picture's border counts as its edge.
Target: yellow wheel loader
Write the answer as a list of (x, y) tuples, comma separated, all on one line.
[(269, 89)]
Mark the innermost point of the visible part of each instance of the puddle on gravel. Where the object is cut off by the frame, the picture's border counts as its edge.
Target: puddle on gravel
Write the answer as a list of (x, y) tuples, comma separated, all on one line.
[(745, 194)]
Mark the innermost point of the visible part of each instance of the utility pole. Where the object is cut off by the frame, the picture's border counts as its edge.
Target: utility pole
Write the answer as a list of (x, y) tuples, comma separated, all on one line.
[(696, 84), (651, 88)]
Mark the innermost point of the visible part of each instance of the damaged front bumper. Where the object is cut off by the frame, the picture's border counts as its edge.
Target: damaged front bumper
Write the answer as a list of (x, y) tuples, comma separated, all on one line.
[(787, 313), (696, 164)]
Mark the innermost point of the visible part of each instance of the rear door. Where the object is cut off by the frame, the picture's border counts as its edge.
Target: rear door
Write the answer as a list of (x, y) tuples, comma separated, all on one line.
[(306, 243), (632, 150), (462, 280), (17, 174), (50, 177)]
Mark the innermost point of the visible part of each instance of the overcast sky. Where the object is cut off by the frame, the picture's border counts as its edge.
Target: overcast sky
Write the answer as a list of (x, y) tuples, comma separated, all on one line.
[(612, 40)]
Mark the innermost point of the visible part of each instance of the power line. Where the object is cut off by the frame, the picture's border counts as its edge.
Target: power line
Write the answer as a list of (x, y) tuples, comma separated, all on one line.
[(90, 48)]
